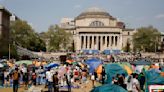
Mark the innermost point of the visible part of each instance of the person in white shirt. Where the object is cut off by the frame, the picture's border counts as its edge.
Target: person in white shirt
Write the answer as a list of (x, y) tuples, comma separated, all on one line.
[(135, 84), (128, 81), (49, 75)]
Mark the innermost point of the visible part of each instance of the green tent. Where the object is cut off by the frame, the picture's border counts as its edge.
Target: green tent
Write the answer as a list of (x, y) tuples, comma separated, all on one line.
[(109, 88), (112, 70), (153, 77), (27, 62)]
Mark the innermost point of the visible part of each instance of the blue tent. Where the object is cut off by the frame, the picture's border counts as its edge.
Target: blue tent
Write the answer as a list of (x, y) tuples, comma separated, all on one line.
[(153, 77), (142, 62), (95, 51), (107, 52), (112, 70), (51, 65), (86, 51), (116, 51), (93, 64), (109, 88)]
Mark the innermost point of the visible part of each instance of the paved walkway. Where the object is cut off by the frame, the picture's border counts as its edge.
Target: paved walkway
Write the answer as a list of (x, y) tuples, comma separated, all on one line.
[(85, 87)]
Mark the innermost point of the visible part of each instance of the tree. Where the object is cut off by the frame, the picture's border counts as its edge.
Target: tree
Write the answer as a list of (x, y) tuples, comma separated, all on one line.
[(127, 47), (59, 39), (146, 39), (23, 35)]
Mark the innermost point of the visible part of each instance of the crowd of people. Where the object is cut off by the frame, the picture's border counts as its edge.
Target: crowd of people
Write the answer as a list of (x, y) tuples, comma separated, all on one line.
[(66, 76)]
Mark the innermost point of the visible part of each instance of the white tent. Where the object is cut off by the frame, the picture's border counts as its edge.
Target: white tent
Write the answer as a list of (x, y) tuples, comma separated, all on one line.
[(1, 65)]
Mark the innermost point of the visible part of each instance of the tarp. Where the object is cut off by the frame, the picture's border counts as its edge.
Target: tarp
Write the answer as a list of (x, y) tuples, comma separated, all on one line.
[(112, 70), (153, 77), (109, 88), (142, 62), (93, 64)]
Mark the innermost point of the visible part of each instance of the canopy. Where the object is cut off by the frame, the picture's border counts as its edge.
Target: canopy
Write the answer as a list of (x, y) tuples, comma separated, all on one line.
[(109, 88), (27, 62), (1, 65), (112, 70), (142, 62), (51, 65), (153, 77), (93, 64)]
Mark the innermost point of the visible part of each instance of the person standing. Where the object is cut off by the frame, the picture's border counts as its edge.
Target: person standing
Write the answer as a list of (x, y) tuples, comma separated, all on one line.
[(16, 76), (135, 84), (68, 83), (34, 76), (50, 80), (55, 82), (103, 75)]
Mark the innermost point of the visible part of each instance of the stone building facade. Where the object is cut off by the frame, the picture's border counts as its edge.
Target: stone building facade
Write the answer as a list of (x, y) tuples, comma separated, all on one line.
[(96, 29), (4, 30)]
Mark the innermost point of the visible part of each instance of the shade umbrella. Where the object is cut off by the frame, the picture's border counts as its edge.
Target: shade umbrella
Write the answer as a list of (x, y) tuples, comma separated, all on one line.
[(27, 62), (93, 64)]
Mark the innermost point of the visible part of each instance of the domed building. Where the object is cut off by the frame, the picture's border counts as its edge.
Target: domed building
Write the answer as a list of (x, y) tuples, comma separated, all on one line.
[(96, 29)]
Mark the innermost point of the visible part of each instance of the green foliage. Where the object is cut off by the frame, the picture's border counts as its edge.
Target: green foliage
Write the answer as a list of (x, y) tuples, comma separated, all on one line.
[(58, 39), (146, 39), (23, 35)]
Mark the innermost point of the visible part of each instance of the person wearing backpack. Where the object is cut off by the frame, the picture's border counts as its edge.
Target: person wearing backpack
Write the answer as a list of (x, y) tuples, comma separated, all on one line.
[(16, 76)]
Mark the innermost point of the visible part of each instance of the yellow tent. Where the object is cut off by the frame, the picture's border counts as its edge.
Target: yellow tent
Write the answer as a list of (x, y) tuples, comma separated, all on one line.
[(129, 71)]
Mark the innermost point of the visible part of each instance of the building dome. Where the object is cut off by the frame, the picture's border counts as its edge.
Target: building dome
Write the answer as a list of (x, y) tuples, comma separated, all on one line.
[(93, 12)]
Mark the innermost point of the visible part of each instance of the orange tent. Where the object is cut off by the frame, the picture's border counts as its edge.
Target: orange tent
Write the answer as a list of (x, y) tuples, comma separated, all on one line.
[(69, 61), (99, 69)]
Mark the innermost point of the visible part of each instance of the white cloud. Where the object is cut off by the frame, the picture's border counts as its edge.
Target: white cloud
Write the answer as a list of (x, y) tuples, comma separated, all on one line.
[(160, 16), (77, 6)]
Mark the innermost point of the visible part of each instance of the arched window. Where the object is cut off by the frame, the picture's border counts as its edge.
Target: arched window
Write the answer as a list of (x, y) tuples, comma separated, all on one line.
[(97, 24)]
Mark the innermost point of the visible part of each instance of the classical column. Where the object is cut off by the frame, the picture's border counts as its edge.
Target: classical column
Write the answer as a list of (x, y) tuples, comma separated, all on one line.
[(101, 43), (92, 46), (97, 42), (84, 44), (81, 41), (88, 42), (114, 42), (105, 47), (120, 43), (111, 41)]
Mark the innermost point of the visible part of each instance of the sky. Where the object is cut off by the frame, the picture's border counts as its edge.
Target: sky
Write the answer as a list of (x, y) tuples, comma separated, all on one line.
[(43, 13)]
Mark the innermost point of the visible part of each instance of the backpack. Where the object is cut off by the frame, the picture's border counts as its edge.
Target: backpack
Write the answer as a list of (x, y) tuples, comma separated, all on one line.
[(15, 76)]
